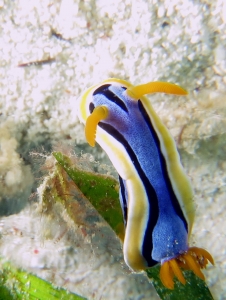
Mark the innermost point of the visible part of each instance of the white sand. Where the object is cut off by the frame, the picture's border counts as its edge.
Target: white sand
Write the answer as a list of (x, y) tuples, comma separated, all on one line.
[(177, 41)]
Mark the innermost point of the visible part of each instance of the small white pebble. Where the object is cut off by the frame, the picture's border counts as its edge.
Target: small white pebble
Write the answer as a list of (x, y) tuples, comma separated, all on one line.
[(161, 11)]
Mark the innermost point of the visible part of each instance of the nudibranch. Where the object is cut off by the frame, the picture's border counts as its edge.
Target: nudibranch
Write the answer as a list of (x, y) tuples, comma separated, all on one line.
[(155, 194)]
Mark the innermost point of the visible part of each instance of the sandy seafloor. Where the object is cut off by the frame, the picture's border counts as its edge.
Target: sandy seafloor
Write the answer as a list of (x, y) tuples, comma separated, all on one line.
[(83, 43)]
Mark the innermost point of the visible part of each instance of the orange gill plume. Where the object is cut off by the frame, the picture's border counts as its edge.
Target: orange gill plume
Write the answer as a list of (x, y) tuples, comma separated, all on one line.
[(194, 259)]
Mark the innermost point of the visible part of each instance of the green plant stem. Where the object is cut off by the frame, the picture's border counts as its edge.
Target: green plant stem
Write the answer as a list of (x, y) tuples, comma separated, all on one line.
[(17, 284)]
